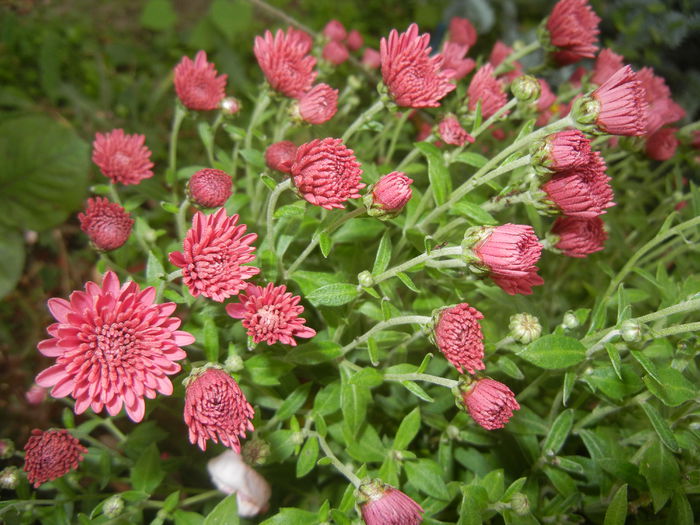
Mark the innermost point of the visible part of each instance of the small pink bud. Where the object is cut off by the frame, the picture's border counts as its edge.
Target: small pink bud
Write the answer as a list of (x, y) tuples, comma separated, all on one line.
[(485, 87), (106, 223), (210, 188), (335, 31), (319, 104), (382, 504), (462, 32), (573, 30), (371, 58), (606, 64), (230, 106), (458, 335), (35, 395), (280, 156), (453, 133), (563, 150), (355, 40), (335, 52), (490, 403), (662, 144), (579, 237), (389, 195)]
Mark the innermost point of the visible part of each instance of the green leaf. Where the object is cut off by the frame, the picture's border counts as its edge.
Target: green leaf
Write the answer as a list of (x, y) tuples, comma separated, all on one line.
[(381, 260), (614, 356), (12, 257), (291, 210), (474, 500), (617, 510), (307, 457), (373, 351), (673, 389), (367, 377), (231, 17), (368, 448), (158, 15), (558, 432), (472, 159), (417, 391), (554, 351), (353, 402), (405, 279), (476, 213), (326, 243), (568, 386), (661, 427), (314, 353), (169, 207), (210, 340), (493, 482), (660, 469), (409, 427), (265, 369), (605, 379), (147, 472), (293, 402), (256, 159), (292, 516), (333, 294), (647, 364), (681, 511), (426, 476), (186, 517), (327, 400), (225, 512), (438, 174), (509, 368)]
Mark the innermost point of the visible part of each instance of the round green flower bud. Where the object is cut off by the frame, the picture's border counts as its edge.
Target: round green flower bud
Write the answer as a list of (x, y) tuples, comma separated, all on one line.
[(255, 451), (233, 363), (520, 504), (365, 279), (524, 328), (525, 88), (9, 478), (569, 321), (113, 507), (584, 112), (631, 331), (7, 448)]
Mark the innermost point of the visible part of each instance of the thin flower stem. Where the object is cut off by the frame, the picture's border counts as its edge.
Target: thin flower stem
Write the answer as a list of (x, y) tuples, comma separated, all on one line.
[(395, 135), (447, 228), (436, 380), (109, 425), (361, 119), (204, 496), (413, 153), (261, 104), (173, 275), (449, 263), (407, 319), (114, 194), (210, 147), (517, 55), (391, 272), (180, 218), (171, 175), (677, 329), (271, 203), (498, 203), (110, 263), (685, 306), (487, 123), (343, 469)]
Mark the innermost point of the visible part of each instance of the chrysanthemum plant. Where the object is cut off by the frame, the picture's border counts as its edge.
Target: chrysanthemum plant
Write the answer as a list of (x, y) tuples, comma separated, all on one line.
[(342, 292)]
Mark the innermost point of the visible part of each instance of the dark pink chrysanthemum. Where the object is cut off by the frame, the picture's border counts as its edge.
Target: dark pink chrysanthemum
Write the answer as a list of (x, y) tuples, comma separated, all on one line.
[(455, 65), (354, 40), (566, 149), (335, 30), (197, 85), (216, 409), (285, 61), (271, 314), (371, 58), (210, 188), (122, 157), (573, 30), (280, 156), (382, 504), (662, 144), (113, 346), (579, 237), (661, 109), (326, 173), (452, 132), (499, 53), (319, 104), (458, 336), (50, 455), (391, 193), (462, 32), (106, 223), (606, 64), (583, 191), (488, 89), (622, 105), (490, 403), (214, 252), (414, 78), (335, 53)]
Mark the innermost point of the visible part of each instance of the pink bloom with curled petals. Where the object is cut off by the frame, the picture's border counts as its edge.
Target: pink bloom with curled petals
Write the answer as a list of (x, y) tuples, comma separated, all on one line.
[(214, 252), (662, 144), (485, 87), (382, 504), (462, 32), (661, 109), (285, 61), (335, 30), (122, 157), (50, 455), (216, 409), (499, 53), (326, 173), (414, 78), (458, 335), (319, 104), (354, 40), (271, 314), (210, 188), (452, 132), (578, 236), (391, 193), (280, 156), (606, 64), (622, 104), (371, 58), (106, 223), (113, 346), (567, 149), (455, 65), (335, 53), (573, 30), (490, 403), (197, 85)]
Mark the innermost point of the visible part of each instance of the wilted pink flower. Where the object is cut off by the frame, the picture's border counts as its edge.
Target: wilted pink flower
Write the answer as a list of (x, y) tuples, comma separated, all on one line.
[(382, 504), (214, 252), (106, 223), (326, 173), (335, 30), (285, 62), (113, 346), (490, 403), (121, 157), (50, 455), (579, 237), (35, 395), (488, 89), (606, 64), (661, 109), (498, 54), (371, 58), (452, 132), (335, 52), (573, 30), (390, 194), (458, 335), (582, 191), (210, 188), (197, 85), (319, 104), (280, 156), (216, 409), (565, 150), (355, 40), (462, 32), (662, 144), (271, 314), (455, 65), (414, 78), (622, 104)]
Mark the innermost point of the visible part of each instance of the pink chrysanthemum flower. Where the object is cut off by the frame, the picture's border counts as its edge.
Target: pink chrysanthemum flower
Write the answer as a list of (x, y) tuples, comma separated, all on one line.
[(455, 65), (414, 78), (335, 53), (606, 64), (490, 403), (452, 132), (216, 409), (579, 237), (335, 30), (113, 346), (462, 32), (371, 58), (389, 195), (197, 85), (488, 89), (319, 104), (458, 335), (50, 455), (622, 108), (564, 150), (271, 314), (326, 173), (122, 157), (661, 109), (499, 53), (382, 504), (573, 30), (584, 191), (35, 395), (214, 252), (662, 144), (210, 188), (106, 223), (285, 61), (280, 156), (354, 40)]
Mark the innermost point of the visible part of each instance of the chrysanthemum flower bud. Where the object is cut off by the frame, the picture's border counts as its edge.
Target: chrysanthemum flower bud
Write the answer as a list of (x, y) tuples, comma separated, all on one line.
[(197, 85), (662, 145), (113, 506), (335, 30), (365, 279), (457, 333), (631, 331), (210, 188), (524, 328), (35, 395), (9, 478), (382, 504), (371, 58), (106, 223), (525, 88), (318, 105), (7, 448), (452, 132), (455, 64), (661, 108), (462, 31), (579, 237), (572, 30), (489, 402), (561, 151), (230, 106), (354, 40), (335, 53), (485, 87), (230, 474), (50, 455), (569, 321), (520, 504), (388, 196), (255, 451), (233, 363), (280, 156), (606, 64)]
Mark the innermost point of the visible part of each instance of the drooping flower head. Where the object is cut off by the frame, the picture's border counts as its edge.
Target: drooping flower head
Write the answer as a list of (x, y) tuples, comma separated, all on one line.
[(662, 144), (579, 237), (106, 223), (335, 53), (389, 195), (606, 64), (382, 504), (50, 455), (458, 335), (319, 104), (414, 78), (280, 156), (271, 314), (452, 132), (563, 150), (285, 61), (197, 85), (490, 403), (113, 346), (499, 53), (216, 409), (354, 40), (335, 31), (661, 109), (485, 87), (455, 65), (210, 188), (573, 30), (326, 173), (462, 32), (214, 252), (122, 157)]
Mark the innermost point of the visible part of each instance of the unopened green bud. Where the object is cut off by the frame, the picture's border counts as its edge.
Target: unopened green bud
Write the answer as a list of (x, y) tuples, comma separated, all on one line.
[(520, 504), (297, 438), (452, 432), (233, 363), (524, 328), (569, 321), (9, 478), (255, 451), (584, 112), (525, 88), (113, 507), (365, 279), (631, 331)]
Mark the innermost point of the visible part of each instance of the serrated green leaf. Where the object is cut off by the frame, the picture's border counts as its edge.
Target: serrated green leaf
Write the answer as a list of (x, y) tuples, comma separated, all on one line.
[(552, 352), (558, 432), (438, 174), (617, 510), (225, 512), (307, 457), (409, 427), (381, 260), (663, 430), (333, 294), (147, 473)]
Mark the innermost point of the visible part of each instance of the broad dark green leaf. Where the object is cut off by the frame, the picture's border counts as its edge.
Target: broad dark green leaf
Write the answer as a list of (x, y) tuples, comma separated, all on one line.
[(367, 377), (647, 364), (307, 457), (314, 352), (474, 500), (265, 369), (225, 512), (681, 511), (158, 15), (291, 210), (186, 517), (438, 174), (293, 402), (471, 159), (327, 400), (147, 472), (353, 402), (617, 510), (554, 351), (333, 294)]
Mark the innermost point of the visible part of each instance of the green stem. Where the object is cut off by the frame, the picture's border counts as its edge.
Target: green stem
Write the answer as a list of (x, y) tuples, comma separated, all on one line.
[(677, 329), (413, 153), (395, 136), (271, 203), (517, 55), (391, 272), (171, 174), (340, 467), (210, 147), (498, 203), (436, 380), (261, 104), (114, 194), (180, 218), (407, 319), (204, 496), (502, 110), (361, 119), (173, 275), (685, 306), (109, 425)]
